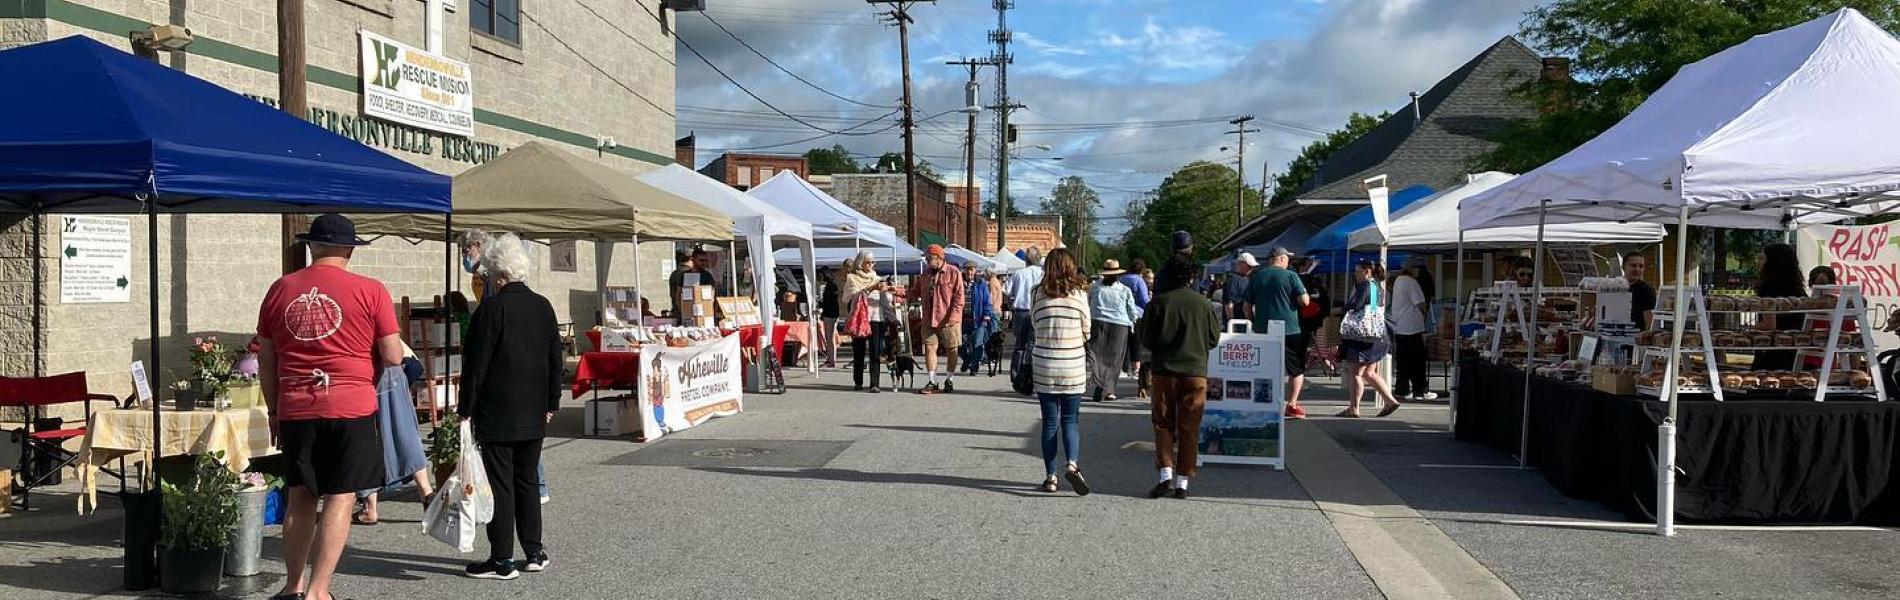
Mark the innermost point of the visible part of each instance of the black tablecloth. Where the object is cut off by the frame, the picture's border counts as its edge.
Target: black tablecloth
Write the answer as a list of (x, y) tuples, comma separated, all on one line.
[(1741, 461)]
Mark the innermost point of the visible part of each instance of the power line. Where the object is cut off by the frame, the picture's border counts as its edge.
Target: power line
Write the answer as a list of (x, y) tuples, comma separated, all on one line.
[(590, 63), (748, 91), (735, 37), (623, 32)]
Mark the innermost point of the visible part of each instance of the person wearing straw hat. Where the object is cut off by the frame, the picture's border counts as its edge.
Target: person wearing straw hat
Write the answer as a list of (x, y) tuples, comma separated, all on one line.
[(323, 331), (1113, 307)]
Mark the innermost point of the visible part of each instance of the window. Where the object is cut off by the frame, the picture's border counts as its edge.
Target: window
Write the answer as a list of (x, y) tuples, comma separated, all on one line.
[(497, 18), (745, 176)]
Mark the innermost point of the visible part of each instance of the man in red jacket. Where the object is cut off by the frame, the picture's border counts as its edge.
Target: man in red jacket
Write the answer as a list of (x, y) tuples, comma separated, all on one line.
[(941, 288)]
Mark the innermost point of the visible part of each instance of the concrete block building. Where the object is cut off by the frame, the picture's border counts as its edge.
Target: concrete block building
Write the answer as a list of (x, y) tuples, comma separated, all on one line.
[(549, 71)]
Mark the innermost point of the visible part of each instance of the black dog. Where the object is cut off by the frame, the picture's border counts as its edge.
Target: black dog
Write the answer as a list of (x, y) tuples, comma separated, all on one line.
[(993, 354), (903, 371)]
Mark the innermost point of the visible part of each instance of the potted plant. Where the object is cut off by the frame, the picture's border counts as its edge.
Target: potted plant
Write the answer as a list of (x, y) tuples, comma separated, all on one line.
[(212, 367), (184, 395), (199, 517), (242, 553), (445, 447)]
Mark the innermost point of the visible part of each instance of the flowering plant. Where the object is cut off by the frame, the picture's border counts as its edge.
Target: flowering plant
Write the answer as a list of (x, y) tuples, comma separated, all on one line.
[(211, 363), (258, 481)]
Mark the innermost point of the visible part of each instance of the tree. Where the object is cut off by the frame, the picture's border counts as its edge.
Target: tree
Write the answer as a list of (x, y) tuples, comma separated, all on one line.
[(1076, 203), (1306, 165), (1015, 208), (893, 162), (1624, 50), (1198, 199), (831, 161)]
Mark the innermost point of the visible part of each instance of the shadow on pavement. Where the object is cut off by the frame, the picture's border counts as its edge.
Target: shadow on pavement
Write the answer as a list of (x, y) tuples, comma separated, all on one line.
[(1014, 488), (931, 429)]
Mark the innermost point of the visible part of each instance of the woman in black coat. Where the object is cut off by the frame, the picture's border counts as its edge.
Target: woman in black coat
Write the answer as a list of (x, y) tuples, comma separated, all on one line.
[(511, 388)]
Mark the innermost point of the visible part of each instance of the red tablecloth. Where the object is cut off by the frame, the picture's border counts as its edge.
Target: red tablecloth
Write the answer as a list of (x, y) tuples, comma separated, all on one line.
[(607, 370), (593, 337), (748, 336)]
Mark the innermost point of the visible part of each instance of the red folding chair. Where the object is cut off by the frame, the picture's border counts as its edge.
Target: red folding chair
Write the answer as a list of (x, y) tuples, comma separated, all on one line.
[(34, 394)]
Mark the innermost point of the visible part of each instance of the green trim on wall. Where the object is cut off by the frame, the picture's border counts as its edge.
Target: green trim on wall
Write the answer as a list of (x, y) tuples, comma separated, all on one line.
[(22, 9), (102, 21)]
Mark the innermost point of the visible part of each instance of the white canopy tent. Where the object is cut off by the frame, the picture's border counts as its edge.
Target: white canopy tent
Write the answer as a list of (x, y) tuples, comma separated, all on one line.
[(755, 220), (1788, 128), (967, 258), (1006, 262), (831, 220), (1433, 224), (907, 260)]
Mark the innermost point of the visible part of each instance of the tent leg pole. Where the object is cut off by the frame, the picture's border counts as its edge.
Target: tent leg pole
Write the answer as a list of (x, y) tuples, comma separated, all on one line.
[(1530, 352), (157, 372), (1666, 432), (639, 299), (448, 315), (1457, 326)]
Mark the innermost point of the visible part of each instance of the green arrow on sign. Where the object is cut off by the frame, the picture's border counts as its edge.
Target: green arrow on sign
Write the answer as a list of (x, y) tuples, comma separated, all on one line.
[(123, 282), (72, 252)]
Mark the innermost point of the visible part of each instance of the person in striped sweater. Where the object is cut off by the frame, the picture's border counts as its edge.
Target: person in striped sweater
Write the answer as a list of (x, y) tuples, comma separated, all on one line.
[(1060, 317)]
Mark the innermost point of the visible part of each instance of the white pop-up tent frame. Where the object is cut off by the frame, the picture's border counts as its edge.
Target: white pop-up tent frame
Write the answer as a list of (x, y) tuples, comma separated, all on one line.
[(756, 221), (1434, 224), (1789, 128)]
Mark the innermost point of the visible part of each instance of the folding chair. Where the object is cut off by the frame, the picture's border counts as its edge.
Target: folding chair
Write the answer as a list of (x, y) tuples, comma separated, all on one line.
[(35, 393)]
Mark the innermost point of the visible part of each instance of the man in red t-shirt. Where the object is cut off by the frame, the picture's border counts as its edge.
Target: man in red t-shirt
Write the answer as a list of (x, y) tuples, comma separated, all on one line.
[(325, 333)]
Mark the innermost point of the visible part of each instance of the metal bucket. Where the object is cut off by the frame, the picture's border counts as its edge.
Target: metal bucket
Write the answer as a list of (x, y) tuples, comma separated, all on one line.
[(243, 555)]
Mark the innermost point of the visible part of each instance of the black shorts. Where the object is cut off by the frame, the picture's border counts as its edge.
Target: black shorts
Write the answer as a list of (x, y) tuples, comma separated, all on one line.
[(332, 456), (1296, 353)]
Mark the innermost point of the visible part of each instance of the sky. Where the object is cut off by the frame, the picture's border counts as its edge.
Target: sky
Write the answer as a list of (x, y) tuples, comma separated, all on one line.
[(1122, 92)]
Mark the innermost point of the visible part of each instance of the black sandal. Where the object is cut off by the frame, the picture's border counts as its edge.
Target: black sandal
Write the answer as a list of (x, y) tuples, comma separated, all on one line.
[(1076, 481), (1049, 485)]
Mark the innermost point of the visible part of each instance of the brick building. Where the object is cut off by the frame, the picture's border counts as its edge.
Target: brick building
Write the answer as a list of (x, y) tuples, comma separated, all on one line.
[(742, 171), (943, 213), (557, 78), (1041, 231)]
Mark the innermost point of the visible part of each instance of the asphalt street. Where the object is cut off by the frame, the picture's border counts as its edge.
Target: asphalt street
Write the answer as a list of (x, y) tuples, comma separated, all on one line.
[(823, 492)]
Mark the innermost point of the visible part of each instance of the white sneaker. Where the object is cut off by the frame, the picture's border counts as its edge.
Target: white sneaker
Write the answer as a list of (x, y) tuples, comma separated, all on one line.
[(546, 499), (1426, 396)]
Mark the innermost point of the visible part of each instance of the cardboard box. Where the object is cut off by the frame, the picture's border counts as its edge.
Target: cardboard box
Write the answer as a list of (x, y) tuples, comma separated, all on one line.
[(609, 417), (705, 293), (1613, 380)]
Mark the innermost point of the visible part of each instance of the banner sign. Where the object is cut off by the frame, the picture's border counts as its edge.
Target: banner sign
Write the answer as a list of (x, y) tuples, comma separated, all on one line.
[(1380, 197), (683, 387), (1867, 256), (1246, 382), (95, 260), (413, 87)]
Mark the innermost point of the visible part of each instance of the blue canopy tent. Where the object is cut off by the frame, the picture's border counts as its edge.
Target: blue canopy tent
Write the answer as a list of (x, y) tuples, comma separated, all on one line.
[(104, 132), (1293, 238), (1330, 246)]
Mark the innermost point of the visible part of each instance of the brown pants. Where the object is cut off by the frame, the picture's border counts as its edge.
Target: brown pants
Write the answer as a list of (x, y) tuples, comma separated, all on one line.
[(1177, 405)]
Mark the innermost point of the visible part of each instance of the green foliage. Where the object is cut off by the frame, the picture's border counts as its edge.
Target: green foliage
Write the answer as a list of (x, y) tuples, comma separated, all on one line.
[(831, 161), (1302, 168), (1015, 208), (201, 514), (445, 442), (1198, 198), (1624, 50), (1077, 203), (893, 162)]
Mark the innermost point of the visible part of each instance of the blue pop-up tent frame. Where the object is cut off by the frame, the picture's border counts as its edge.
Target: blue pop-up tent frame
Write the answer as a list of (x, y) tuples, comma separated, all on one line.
[(1330, 247), (104, 132)]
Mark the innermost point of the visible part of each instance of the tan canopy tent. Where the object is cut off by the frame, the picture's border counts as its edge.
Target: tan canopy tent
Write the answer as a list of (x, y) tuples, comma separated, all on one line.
[(539, 192)]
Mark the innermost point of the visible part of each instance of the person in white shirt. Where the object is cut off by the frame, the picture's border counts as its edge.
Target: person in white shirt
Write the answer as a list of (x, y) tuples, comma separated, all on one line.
[(1407, 318), (1019, 294)]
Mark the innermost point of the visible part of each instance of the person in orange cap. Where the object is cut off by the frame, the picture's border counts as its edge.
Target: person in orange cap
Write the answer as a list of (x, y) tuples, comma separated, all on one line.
[(940, 287)]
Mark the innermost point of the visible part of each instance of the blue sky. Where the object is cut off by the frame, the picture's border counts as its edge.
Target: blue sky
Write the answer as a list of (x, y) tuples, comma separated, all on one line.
[(1087, 69)]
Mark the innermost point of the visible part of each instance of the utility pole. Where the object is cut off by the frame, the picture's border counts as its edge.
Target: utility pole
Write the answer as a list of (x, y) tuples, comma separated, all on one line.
[(969, 148), (1240, 168), (900, 13), (292, 99), (1000, 36)]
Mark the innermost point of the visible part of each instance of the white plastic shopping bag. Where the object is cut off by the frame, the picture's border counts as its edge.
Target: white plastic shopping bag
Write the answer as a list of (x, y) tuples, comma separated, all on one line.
[(464, 503)]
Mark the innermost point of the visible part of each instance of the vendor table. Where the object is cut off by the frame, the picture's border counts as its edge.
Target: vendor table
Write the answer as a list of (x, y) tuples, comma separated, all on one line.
[(1742, 461), (242, 434), (606, 370)]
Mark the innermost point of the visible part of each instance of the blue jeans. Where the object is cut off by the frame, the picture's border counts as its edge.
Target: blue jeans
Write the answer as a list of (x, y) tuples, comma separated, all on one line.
[(541, 474), (976, 342), (1060, 412)]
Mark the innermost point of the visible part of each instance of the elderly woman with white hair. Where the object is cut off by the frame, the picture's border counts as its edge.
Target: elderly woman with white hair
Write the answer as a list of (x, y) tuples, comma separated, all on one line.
[(860, 285), (511, 388)]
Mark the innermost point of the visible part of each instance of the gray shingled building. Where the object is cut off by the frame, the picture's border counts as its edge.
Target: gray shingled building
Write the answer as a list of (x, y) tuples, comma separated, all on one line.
[(1457, 119)]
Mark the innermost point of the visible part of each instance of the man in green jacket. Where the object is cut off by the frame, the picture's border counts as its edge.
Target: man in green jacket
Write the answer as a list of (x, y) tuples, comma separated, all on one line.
[(1179, 328)]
